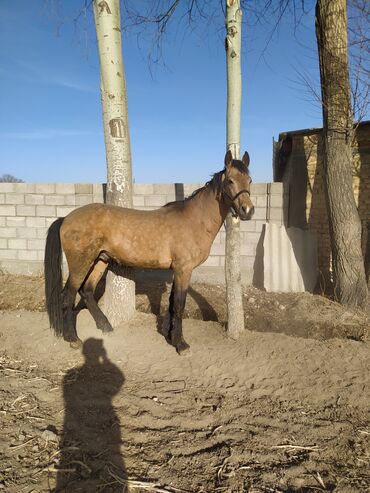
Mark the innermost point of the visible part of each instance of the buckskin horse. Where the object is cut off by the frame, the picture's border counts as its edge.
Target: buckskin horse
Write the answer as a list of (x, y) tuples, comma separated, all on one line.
[(177, 236)]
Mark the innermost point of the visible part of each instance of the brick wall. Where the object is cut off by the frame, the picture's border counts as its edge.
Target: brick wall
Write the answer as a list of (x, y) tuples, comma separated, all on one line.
[(27, 210)]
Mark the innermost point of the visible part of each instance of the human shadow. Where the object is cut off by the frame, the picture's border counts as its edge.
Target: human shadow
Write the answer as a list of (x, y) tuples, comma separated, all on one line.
[(90, 454)]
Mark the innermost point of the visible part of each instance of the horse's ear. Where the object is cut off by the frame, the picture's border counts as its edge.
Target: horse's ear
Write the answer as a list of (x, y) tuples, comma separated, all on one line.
[(245, 159), (228, 159)]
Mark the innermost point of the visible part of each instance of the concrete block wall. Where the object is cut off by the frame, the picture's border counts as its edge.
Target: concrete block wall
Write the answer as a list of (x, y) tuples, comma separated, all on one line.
[(27, 210)]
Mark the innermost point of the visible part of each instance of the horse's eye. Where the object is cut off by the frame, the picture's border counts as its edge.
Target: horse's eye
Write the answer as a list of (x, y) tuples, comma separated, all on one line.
[(230, 181)]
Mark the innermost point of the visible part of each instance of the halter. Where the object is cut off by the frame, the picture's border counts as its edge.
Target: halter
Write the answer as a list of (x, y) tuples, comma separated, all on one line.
[(233, 210)]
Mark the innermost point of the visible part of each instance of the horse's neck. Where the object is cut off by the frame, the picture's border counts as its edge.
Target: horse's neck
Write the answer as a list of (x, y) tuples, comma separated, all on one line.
[(211, 212)]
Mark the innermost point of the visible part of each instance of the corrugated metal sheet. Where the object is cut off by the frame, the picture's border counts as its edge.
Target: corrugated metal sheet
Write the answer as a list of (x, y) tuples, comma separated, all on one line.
[(290, 259)]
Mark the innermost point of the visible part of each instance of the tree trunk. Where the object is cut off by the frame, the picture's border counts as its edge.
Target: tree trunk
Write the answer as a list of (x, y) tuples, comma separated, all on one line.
[(119, 298), (344, 222), (234, 296)]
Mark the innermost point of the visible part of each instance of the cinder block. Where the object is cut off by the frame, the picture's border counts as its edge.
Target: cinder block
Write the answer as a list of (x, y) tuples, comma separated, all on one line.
[(98, 188), (55, 200), (247, 262), (17, 244), (48, 221), (155, 200), (2, 198), (164, 188), (64, 211), (189, 188), (41, 233), (26, 210), (83, 199), (45, 188), (8, 233), (276, 201), (15, 221), (36, 244), (7, 187), (259, 226), (248, 249), (26, 232), (3, 243), (65, 188), (24, 187), (143, 189), (261, 201), (70, 200), (251, 237), (8, 254), (35, 222), (170, 198), (98, 198), (275, 214), (259, 213), (222, 235), (218, 249), (212, 261), (276, 187), (45, 211), (27, 255), (35, 199), (259, 189), (7, 210), (138, 200), (84, 188), (41, 255), (14, 198), (248, 225), (3, 221)]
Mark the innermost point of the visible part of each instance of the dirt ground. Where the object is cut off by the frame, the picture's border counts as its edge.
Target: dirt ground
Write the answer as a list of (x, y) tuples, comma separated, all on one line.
[(283, 409)]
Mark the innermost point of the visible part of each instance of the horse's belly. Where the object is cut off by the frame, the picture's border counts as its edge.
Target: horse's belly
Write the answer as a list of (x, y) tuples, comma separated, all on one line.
[(147, 255)]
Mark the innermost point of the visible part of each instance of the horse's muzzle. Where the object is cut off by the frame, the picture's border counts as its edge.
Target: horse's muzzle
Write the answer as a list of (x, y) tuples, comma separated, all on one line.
[(246, 213)]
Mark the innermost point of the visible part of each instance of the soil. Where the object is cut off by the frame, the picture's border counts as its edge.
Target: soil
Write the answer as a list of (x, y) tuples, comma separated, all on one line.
[(285, 408)]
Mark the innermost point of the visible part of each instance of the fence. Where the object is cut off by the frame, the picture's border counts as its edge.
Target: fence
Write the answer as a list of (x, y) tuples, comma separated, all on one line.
[(27, 210)]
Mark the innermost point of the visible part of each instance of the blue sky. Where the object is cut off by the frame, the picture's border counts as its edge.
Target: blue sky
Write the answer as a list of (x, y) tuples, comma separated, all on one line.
[(51, 124)]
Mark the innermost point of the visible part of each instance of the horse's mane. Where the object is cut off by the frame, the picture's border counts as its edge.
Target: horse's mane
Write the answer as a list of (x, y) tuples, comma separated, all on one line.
[(215, 182)]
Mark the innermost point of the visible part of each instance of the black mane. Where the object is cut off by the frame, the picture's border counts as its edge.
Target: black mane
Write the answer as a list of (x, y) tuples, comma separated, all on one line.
[(214, 182)]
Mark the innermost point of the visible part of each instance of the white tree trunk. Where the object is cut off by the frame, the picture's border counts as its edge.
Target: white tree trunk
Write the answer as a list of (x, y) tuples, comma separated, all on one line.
[(119, 298), (234, 295)]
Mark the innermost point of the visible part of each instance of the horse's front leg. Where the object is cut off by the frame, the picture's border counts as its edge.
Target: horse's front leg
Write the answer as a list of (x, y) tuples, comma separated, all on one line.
[(179, 291)]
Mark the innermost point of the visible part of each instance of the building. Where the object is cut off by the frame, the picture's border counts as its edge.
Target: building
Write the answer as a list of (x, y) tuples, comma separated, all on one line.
[(298, 164)]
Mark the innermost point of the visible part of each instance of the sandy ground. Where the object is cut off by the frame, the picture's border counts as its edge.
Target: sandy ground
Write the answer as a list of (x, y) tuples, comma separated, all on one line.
[(283, 409)]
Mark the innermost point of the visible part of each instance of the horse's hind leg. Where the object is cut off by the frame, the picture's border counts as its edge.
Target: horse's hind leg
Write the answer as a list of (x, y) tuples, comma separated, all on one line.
[(87, 294), (69, 315), (77, 273), (176, 310)]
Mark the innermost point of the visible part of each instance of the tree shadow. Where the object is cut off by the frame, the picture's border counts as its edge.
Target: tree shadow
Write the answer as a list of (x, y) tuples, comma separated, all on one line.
[(91, 437)]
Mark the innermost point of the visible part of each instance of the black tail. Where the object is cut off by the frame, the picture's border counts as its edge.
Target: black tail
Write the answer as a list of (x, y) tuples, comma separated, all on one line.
[(54, 277)]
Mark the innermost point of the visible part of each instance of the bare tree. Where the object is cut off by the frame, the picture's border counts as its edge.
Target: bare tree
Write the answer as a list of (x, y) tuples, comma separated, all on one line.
[(120, 290), (344, 222), (6, 178), (234, 296)]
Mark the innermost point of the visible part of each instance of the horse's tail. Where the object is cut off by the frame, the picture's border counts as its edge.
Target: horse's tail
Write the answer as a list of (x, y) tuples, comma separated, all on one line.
[(54, 277)]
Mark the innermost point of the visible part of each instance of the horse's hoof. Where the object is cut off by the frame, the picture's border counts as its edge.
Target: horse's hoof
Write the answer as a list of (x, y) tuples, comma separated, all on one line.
[(105, 328), (76, 344), (183, 349)]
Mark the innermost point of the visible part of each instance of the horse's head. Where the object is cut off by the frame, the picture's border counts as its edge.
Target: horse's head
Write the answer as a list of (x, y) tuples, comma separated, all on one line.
[(236, 186)]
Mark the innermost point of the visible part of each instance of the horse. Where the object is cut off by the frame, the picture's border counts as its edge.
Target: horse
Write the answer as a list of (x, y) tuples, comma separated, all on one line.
[(177, 236)]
